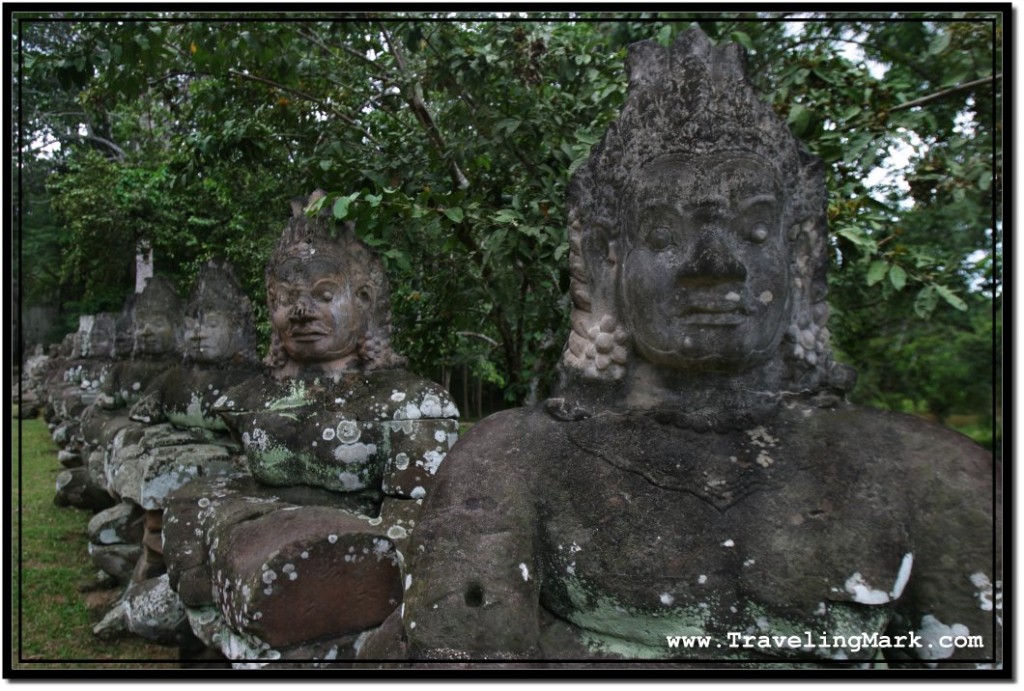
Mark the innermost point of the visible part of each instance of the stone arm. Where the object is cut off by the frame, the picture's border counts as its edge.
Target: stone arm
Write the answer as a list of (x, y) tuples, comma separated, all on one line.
[(474, 591), (954, 592)]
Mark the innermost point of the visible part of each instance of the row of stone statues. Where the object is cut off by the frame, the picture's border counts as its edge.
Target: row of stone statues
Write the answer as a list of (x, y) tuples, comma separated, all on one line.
[(697, 475)]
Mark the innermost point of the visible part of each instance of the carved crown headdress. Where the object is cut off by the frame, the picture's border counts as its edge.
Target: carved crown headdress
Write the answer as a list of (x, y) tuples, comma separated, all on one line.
[(691, 99)]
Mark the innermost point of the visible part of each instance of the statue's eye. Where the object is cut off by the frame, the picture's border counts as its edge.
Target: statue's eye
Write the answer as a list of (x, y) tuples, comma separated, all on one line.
[(326, 295), (658, 238), (758, 232)]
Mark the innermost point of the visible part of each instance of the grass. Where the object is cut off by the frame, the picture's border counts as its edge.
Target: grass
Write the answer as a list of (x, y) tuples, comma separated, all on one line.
[(51, 623)]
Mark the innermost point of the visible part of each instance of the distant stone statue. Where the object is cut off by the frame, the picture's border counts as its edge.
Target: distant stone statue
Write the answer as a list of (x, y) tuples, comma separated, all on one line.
[(172, 438), (301, 558), (698, 473)]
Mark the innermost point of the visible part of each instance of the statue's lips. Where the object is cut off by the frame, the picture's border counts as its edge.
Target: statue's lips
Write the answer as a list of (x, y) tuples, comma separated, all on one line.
[(713, 312), (307, 335)]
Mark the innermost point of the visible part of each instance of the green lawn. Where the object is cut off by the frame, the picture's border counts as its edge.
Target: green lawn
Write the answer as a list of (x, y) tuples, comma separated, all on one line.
[(51, 625)]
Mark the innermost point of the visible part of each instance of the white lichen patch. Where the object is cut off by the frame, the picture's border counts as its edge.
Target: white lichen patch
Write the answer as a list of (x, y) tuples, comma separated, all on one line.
[(748, 562), (328, 434), (431, 406), (397, 396), (984, 594), (863, 593), (763, 459), (729, 543), (440, 436), (332, 538), (432, 461), (702, 579), (408, 581), (766, 297), (732, 296), (397, 532), (348, 431), (906, 566), (350, 481), (524, 570), (666, 599), (354, 453), (759, 437), (418, 492), (933, 632), (401, 461)]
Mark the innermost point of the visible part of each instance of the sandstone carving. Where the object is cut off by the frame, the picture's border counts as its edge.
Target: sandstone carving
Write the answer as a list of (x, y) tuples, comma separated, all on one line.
[(698, 472)]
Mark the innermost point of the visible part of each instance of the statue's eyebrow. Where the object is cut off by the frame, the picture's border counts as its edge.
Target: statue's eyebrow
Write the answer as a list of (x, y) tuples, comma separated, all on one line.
[(745, 204)]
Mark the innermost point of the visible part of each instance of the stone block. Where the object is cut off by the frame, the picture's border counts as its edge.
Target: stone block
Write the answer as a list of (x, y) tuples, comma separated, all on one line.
[(304, 573), (413, 454), (120, 524)]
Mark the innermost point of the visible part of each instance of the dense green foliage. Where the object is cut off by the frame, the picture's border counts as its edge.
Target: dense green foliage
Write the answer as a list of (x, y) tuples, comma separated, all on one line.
[(450, 143)]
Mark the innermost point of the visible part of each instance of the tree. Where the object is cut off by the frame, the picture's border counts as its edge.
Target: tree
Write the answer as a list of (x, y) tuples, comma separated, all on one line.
[(449, 140)]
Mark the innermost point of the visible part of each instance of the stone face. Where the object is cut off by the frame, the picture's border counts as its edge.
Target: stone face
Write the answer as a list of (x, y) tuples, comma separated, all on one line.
[(697, 472)]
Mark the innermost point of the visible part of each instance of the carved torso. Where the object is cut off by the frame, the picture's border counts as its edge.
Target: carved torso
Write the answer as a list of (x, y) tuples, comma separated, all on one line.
[(600, 538), (675, 532)]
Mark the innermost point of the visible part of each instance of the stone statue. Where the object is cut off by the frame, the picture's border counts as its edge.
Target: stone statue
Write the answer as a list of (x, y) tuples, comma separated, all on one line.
[(172, 438), (698, 472), (342, 445)]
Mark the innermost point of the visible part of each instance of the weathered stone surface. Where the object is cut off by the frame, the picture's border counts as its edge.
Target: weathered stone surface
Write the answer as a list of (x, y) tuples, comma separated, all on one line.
[(303, 573), (117, 560), (196, 515), (296, 557), (120, 524), (340, 434), (75, 488), (697, 471), (153, 611)]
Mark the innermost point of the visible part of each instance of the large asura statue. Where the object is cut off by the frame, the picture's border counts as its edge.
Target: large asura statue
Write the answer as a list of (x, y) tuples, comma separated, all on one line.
[(699, 473)]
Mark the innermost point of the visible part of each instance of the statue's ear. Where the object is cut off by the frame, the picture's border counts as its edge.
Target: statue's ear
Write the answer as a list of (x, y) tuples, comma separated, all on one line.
[(364, 297), (601, 246)]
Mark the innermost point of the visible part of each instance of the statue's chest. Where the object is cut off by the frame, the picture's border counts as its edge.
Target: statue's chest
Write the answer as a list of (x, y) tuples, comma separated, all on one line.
[(729, 528)]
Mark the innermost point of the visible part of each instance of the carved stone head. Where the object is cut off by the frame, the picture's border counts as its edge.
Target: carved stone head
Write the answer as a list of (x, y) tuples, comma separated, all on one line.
[(124, 330), (219, 323), (157, 319), (697, 230), (328, 298), (95, 336)]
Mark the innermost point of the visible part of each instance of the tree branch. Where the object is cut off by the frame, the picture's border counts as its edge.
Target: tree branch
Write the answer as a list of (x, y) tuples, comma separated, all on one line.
[(106, 142), (414, 98), (307, 97), (942, 94)]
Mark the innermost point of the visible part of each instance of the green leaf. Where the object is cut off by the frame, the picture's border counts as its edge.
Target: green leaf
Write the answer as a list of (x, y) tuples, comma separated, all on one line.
[(877, 271), (454, 213), (342, 204), (858, 237), (743, 40), (504, 216), (325, 164), (897, 276), (799, 118), (924, 303), (939, 43), (952, 298)]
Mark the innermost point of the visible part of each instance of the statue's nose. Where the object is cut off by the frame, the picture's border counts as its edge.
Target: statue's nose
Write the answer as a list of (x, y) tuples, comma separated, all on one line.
[(712, 260), (302, 310)]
